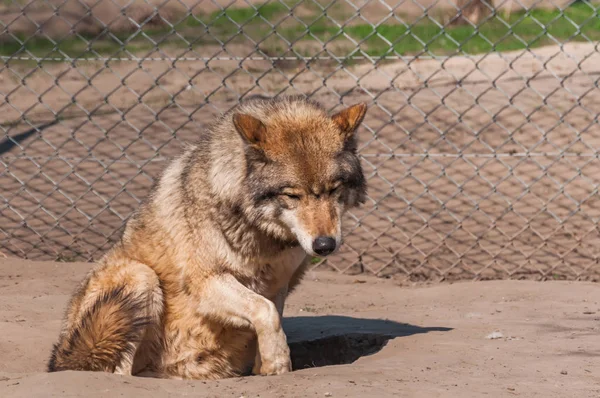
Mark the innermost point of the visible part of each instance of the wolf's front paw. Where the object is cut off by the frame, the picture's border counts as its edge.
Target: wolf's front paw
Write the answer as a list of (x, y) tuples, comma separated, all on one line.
[(276, 367), (276, 363)]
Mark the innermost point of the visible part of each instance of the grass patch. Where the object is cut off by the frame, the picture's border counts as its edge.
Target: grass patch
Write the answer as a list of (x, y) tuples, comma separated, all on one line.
[(534, 28)]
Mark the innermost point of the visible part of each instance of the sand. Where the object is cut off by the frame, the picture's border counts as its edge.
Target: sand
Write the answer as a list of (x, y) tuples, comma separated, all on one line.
[(376, 338)]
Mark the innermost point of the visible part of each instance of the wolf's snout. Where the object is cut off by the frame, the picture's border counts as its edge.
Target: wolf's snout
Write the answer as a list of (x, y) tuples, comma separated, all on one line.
[(324, 245)]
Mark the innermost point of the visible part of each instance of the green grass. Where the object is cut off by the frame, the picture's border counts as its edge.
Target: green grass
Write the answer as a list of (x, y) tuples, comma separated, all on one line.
[(535, 28)]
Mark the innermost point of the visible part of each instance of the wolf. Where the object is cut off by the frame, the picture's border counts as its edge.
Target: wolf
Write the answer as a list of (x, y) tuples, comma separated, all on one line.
[(196, 286)]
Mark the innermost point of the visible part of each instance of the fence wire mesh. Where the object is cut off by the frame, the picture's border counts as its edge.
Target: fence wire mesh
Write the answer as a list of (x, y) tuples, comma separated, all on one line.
[(480, 146)]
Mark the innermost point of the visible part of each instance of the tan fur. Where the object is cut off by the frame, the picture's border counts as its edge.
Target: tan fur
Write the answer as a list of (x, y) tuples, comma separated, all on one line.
[(196, 287)]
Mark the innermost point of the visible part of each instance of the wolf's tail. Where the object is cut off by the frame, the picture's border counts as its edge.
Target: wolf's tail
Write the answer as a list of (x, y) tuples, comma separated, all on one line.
[(103, 336)]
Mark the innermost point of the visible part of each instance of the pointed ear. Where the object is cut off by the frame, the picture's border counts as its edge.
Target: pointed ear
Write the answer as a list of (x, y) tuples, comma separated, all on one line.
[(350, 118), (250, 128)]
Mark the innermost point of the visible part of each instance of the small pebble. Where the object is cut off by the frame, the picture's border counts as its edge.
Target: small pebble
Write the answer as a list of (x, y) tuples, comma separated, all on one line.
[(494, 335), (328, 394), (563, 372)]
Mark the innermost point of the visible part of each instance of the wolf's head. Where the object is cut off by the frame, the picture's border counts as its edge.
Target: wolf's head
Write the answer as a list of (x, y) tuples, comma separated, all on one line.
[(302, 170)]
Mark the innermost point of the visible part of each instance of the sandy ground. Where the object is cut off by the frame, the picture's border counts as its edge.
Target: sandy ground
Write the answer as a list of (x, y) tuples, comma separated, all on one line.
[(423, 341)]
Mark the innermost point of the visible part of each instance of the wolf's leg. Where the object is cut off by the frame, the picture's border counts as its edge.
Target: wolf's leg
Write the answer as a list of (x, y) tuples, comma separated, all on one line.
[(224, 298), (280, 301), (107, 319), (279, 304)]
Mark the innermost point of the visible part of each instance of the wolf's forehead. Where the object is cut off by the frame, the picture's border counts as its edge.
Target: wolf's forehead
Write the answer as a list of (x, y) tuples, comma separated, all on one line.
[(313, 171), (309, 141)]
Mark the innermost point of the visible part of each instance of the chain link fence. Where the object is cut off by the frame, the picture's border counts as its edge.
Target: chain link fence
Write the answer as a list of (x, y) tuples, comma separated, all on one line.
[(480, 145)]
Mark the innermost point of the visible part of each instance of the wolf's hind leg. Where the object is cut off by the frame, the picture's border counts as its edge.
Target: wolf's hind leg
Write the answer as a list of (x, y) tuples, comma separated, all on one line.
[(118, 306)]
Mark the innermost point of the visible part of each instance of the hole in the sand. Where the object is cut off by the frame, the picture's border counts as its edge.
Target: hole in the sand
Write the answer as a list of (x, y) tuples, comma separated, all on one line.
[(337, 340)]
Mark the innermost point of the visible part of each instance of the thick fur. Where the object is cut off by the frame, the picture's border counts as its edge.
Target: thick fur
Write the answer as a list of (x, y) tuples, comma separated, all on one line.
[(102, 336), (196, 287)]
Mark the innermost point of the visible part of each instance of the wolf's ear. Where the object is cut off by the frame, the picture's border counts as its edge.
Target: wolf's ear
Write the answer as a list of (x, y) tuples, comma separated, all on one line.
[(350, 118), (250, 128)]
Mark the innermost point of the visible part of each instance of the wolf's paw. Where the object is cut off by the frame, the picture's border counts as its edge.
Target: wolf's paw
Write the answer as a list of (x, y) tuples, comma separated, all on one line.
[(277, 363), (276, 367)]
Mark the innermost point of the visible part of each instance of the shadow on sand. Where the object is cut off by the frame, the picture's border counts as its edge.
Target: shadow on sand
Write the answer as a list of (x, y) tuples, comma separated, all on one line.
[(335, 340)]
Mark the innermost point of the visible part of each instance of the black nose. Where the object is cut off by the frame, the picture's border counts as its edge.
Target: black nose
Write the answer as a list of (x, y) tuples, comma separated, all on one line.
[(324, 245)]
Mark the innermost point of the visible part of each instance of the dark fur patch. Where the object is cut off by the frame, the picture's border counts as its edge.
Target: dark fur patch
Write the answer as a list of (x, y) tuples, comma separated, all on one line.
[(351, 173), (184, 181), (263, 193), (255, 159), (186, 289)]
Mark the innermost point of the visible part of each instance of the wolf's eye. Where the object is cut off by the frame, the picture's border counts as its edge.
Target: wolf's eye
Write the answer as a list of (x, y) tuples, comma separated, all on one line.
[(335, 190), (290, 196)]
